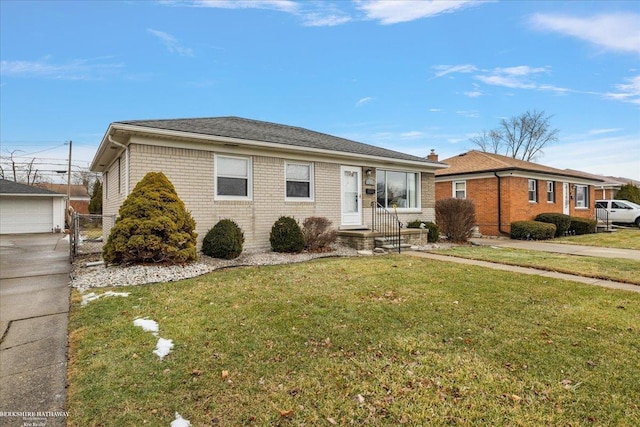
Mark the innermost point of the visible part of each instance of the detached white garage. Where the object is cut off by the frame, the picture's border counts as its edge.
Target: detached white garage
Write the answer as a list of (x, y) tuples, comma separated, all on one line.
[(28, 209)]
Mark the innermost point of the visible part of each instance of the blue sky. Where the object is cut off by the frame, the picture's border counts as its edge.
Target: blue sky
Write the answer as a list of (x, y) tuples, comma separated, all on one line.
[(406, 75)]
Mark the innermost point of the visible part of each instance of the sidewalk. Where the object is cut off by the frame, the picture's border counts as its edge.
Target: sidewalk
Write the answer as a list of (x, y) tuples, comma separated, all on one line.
[(546, 247), (561, 248)]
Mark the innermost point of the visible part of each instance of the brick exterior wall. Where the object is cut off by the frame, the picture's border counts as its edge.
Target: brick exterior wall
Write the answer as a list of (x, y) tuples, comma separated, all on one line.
[(192, 173), (515, 201)]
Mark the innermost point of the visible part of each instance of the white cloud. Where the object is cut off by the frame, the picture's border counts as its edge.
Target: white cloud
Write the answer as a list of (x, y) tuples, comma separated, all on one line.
[(171, 43), (603, 131), (396, 11), (77, 69), (468, 113), (411, 134), (364, 101), (443, 70), (473, 93), (615, 32), (281, 5), (512, 77), (627, 92), (317, 19)]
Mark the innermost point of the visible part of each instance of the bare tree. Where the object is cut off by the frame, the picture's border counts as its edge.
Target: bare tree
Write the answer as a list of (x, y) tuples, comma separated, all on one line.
[(522, 137), (30, 172)]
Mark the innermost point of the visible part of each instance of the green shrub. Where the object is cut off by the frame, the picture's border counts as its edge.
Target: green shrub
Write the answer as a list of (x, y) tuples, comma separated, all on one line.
[(286, 236), (532, 230), (434, 233), (582, 225), (318, 235), (561, 221), (224, 240), (456, 218), (153, 226)]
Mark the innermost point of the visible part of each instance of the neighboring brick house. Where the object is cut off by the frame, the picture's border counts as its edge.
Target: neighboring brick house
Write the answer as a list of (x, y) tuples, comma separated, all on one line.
[(254, 172), (79, 199), (608, 189), (506, 190)]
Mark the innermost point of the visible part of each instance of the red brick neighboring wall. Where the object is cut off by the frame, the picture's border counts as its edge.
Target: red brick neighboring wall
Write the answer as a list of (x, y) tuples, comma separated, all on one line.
[(515, 205)]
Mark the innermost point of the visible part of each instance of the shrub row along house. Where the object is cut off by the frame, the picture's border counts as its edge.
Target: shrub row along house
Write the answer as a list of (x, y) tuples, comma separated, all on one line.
[(254, 172), (506, 190)]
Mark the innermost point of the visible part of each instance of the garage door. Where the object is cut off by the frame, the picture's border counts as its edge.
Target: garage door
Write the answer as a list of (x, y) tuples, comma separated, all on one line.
[(26, 215)]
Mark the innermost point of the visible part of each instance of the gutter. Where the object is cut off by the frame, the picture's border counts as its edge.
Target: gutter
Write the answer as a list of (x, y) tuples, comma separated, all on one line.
[(499, 205), (126, 162)]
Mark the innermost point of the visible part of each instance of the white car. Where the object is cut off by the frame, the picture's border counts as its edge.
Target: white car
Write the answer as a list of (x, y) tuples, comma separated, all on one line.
[(618, 211)]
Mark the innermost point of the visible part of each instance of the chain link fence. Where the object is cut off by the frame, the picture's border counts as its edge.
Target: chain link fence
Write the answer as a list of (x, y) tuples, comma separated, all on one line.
[(87, 233)]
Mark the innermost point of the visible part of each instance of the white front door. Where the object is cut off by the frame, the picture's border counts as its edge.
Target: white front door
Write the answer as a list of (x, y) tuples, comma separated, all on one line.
[(566, 198), (351, 185)]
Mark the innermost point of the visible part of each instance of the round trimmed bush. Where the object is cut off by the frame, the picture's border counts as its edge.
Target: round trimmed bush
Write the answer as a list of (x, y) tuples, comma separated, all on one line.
[(561, 221), (532, 230), (434, 234), (153, 226), (224, 240), (286, 236), (582, 225)]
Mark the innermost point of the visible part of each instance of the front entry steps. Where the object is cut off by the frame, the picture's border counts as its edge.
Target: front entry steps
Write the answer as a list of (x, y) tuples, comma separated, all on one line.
[(391, 244)]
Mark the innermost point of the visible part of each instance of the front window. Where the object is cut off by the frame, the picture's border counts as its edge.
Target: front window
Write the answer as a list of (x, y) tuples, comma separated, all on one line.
[(460, 189), (582, 196), (533, 194), (299, 181), (233, 178), (551, 195), (398, 189)]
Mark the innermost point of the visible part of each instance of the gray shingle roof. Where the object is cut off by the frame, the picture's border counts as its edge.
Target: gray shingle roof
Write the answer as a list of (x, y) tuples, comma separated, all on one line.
[(12, 187), (254, 130)]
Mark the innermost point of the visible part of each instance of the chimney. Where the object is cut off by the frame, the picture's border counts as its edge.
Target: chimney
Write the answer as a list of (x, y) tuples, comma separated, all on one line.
[(432, 156)]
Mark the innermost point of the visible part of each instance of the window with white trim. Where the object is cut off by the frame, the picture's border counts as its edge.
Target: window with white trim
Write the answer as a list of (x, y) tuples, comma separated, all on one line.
[(533, 193), (233, 178), (298, 181), (399, 189), (460, 189), (551, 194), (582, 196)]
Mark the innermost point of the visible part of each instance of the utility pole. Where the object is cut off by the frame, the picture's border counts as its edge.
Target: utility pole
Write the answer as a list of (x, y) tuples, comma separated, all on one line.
[(67, 213)]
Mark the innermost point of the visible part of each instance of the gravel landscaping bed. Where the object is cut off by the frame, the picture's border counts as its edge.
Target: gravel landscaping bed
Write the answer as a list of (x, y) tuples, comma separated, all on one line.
[(88, 273)]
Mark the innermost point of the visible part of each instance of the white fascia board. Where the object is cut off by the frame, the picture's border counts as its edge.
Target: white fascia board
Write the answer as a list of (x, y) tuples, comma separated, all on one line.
[(542, 176), (32, 195), (237, 144)]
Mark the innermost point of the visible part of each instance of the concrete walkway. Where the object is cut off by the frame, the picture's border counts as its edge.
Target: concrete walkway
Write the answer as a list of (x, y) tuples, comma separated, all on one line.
[(560, 248), (545, 247), (34, 310)]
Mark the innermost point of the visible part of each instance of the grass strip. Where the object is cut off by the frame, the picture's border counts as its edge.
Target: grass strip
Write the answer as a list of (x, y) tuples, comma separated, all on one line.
[(621, 239), (616, 269)]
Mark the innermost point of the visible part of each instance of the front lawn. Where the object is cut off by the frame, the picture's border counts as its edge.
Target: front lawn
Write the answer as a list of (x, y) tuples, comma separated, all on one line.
[(616, 269), (621, 238), (358, 341)]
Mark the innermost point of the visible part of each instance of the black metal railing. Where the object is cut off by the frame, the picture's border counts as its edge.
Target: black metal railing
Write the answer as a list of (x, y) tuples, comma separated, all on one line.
[(603, 215), (386, 223)]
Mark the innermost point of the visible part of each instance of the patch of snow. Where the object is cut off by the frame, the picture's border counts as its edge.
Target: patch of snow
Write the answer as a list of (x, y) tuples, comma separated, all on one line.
[(180, 422), (147, 325), (163, 348), (86, 299)]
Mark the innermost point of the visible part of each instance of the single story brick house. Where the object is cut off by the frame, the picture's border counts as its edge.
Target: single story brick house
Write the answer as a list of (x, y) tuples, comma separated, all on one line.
[(506, 190), (254, 172)]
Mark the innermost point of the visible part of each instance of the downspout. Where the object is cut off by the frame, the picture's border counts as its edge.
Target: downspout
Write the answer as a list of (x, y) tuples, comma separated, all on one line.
[(499, 205), (126, 163)]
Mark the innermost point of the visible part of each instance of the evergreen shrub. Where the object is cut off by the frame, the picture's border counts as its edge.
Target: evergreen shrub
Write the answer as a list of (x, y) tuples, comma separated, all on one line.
[(286, 236), (224, 240), (434, 233), (153, 226), (582, 225), (532, 230), (561, 221)]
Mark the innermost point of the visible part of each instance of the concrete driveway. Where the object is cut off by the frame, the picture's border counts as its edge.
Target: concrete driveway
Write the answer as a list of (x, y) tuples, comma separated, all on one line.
[(34, 310)]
